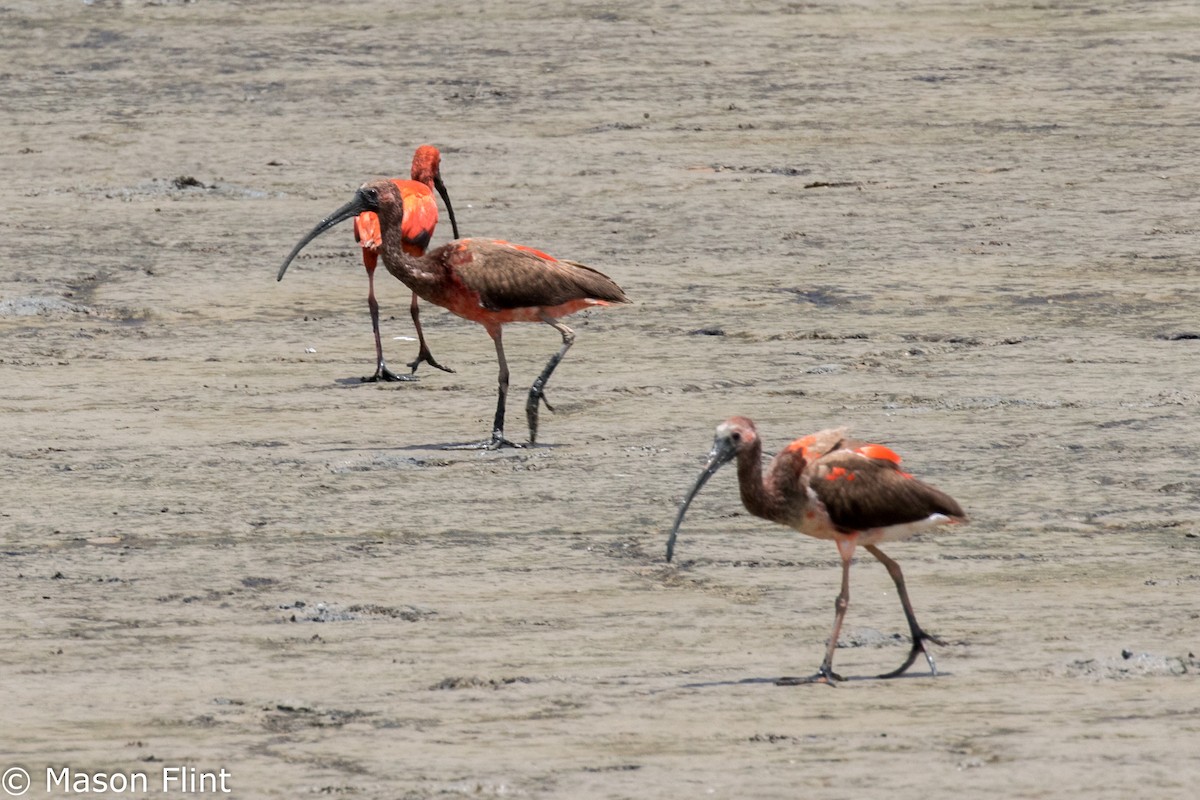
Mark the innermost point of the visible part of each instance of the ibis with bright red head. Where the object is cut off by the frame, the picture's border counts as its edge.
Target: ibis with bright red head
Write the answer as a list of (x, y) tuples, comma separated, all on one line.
[(420, 221), (488, 281)]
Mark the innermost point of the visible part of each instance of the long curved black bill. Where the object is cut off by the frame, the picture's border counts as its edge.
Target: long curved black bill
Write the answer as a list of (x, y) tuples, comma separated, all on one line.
[(352, 209), (723, 450), (441, 187)]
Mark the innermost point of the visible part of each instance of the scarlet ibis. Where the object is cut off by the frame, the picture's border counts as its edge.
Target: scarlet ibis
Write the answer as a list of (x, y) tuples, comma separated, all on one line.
[(420, 220), (830, 487), (488, 281)]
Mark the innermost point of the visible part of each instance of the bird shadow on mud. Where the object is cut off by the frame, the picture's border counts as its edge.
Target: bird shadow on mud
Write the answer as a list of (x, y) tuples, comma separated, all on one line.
[(476, 446), (461, 447), (772, 681), (351, 381)]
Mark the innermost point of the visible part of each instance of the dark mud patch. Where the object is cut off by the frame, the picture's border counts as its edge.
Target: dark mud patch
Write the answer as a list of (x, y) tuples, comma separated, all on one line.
[(475, 682)]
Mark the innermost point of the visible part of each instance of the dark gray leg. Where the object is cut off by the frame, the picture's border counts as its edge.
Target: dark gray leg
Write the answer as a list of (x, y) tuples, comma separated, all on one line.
[(919, 637), (537, 392)]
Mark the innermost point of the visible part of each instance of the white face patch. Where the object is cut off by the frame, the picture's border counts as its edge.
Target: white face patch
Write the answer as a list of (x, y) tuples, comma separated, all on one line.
[(726, 430)]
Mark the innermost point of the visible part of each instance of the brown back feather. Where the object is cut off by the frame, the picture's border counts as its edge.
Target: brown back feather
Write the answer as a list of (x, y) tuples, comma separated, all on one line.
[(879, 494), (509, 277)]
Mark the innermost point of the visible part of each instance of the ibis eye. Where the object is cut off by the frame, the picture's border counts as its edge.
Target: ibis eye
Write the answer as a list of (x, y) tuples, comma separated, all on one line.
[(369, 197), (735, 436)]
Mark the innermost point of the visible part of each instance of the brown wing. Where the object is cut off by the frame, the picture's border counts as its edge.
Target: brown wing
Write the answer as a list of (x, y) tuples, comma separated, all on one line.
[(862, 493), (513, 276)]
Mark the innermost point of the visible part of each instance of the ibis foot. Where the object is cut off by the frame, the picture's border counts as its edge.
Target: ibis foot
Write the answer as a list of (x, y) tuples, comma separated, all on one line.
[(428, 358), (918, 648), (823, 675), (497, 442), (382, 373)]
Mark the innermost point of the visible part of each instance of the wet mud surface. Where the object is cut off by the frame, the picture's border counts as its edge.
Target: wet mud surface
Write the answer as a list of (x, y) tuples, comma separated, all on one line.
[(967, 231)]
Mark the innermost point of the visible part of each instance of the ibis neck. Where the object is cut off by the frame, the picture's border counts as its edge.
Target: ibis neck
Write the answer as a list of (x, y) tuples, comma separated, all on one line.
[(780, 496), (410, 270), (760, 499)]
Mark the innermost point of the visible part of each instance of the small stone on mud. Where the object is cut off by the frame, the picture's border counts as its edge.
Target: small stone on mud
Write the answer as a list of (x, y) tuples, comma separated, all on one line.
[(187, 182)]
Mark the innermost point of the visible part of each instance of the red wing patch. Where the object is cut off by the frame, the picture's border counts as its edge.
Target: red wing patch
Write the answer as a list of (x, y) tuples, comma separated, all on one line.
[(366, 230), (459, 253), (527, 249), (368, 236), (880, 452), (840, 473), (804, 445)]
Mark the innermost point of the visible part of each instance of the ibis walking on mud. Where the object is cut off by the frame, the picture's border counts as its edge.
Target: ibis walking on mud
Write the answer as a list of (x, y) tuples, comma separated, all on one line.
[(487, 281), (420, 220), (830, 487)]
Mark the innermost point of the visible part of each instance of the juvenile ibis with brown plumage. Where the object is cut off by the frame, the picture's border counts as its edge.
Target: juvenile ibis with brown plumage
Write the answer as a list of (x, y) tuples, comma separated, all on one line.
[(488, 281), (828, 486)]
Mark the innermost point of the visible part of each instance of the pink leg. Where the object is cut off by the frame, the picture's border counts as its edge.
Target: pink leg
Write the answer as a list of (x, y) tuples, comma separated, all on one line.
[(825, 673)]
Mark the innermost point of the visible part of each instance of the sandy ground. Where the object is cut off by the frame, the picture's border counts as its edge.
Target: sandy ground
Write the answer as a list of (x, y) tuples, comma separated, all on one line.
[(967, 230)]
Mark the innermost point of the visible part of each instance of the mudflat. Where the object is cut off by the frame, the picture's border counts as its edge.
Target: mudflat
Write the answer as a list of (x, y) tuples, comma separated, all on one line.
[(968, 231)]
